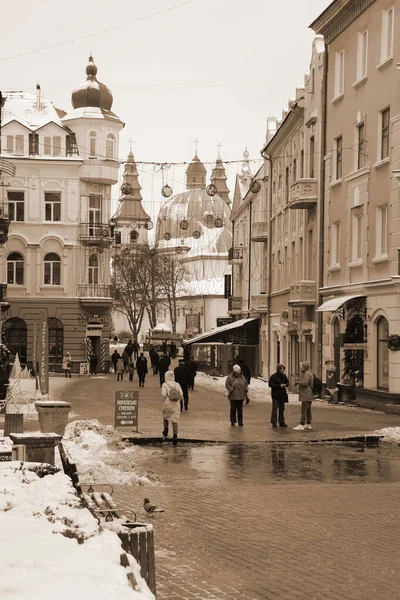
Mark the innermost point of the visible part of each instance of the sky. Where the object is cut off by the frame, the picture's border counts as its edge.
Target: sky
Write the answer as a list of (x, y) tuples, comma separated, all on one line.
[(179, 70)]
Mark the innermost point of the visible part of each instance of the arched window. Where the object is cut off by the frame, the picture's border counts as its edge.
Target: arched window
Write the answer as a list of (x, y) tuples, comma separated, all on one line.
[(15, 337), (110, 145), (15, 268), (382, 353), (92, 144), (56, 342), (52, 269), (93, 269)]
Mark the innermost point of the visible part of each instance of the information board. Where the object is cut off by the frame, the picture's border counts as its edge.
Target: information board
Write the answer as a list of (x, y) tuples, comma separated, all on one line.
[(83, 368), (127, 409)]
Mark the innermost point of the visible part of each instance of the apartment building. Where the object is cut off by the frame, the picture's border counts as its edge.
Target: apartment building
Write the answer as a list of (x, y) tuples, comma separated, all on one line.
[(361, 230)]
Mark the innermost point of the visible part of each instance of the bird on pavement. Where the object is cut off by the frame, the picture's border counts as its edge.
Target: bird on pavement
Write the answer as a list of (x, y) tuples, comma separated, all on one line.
[(151, 508)]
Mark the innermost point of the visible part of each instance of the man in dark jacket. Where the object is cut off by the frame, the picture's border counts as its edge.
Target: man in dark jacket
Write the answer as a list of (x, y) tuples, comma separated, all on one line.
[(163, 365), (141, 368), (278, 382), (114, 357), (183, 376), (154, 359), (192, 366)]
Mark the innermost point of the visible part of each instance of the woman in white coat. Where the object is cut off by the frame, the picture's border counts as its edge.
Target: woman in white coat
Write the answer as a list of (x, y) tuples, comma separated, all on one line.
[(172, 393)]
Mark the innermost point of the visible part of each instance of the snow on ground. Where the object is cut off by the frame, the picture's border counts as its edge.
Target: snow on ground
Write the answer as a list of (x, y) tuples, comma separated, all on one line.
[(102, 457), (392, 434), (258, 389), (52, 547), (57, 384)]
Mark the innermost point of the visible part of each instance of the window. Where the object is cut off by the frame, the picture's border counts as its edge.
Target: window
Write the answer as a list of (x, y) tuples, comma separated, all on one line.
[(294, 170), (280, 189), (94, 215), (357, 234), (57, 146), (312, 80), (10, 144), (384, 138), (300, 261), (335, 244), (382, 231), (47, 145), (312, 157), (287, 185), (361, 146), (338, 145), (362, 55), (301, 164), (339, 74), (19, 144), (310, 254), (16, 205), (110, 146), (15, 268), (387, 34), (52, 269), (382, 354), (15, 337), (92, 144), (93, 269), (52, 203), (56, 341)]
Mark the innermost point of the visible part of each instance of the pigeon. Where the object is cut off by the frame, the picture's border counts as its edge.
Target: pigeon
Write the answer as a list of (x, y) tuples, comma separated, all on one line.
[(151, 508)]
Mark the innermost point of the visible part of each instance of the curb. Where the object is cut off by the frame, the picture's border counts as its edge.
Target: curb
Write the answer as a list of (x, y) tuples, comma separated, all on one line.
[(367, 440)]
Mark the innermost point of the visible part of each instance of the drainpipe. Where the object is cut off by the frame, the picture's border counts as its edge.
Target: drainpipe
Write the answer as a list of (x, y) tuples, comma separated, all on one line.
[(322, 206)]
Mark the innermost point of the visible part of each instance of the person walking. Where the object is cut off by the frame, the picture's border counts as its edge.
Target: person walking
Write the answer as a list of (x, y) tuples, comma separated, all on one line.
[(163, 366), (67, 364), (171, 392), (154, 360), (129, 349), (246, 374), (120, 370), (331, 382), (306, 396), (183, 376), (93, 364), (114, 357), (278, 382), (131, 370), (192, 366), (141, 368), (236, 386), (136, 349)]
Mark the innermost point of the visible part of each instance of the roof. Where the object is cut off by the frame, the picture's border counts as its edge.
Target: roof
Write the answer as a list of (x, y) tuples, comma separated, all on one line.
[(335, 303), (215, 333), (23, 107)]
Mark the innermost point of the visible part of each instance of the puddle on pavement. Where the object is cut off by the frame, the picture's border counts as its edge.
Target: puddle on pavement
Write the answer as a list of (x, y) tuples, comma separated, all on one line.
[(269, 463)]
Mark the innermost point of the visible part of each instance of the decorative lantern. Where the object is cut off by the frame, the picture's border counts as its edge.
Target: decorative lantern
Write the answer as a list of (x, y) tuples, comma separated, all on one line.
[(209, 219), (196, 234), (184, 224), (211, 189), (149, 225), (218, 222), (167, 236), (134, 235), (126, 189), (255, 187), (166, 191)]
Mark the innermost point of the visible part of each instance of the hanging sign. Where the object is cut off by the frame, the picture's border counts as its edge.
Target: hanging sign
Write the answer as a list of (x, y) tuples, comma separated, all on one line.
[(127, 409), (43, 354)]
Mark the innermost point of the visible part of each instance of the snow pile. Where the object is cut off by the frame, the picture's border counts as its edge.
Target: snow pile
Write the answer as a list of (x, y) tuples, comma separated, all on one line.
[(101, 457), (392, 434), (258, 389), (51, 547)]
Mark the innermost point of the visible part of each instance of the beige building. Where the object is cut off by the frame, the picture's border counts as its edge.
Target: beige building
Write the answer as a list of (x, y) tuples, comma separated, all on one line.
[(362, 202), (56, 261)]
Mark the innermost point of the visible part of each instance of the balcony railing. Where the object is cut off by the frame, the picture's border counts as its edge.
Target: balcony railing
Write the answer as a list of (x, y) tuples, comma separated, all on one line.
[(235, 303), (95, 233), (303, 193), (259, 231), (235, 255), (90, 293), (303, 293), (259, 303), (3, 292)]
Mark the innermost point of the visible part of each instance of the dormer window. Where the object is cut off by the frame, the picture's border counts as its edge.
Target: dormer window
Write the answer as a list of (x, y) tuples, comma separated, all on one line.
[(92, 144), (15, 144), (110, 146)]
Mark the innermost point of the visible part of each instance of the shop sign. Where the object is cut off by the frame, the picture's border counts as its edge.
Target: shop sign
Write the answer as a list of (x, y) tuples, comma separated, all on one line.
[(127, 409)]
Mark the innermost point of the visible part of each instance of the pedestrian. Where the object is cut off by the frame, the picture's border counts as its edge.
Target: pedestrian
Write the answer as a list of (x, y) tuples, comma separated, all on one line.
[(141, 368), (126, 360), (163, 366), (120, 370), (115, 339), (67, 364), (154, 360), (173, 350), (183, 376), (236, 386), (246, 374), (129, 349), (136, 349), (171, 392), (306, 396), (114, 357), (131, 370), (278, 382), (331, 382), (93, 364), (192, 366)]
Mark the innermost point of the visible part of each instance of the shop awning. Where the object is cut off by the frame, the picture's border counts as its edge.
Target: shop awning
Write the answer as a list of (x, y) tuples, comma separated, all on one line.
[(335, 303), (244, 331)]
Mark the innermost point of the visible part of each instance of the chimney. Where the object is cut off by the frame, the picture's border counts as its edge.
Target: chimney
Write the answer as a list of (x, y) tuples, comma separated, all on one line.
[(38, 97)]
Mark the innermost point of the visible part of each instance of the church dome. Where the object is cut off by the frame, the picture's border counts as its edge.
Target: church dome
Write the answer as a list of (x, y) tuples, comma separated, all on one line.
[(92, 92), (196, 222)]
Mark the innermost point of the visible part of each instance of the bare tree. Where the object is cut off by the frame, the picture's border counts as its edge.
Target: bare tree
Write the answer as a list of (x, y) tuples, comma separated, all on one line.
[(174, 276), (127, 284)]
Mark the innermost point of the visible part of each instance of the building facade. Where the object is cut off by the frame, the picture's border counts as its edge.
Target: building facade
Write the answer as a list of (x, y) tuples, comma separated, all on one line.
[(362, 203), (56, 261)]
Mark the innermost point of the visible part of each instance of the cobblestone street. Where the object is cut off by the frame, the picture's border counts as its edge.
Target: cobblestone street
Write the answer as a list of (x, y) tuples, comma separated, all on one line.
[(250, 521)]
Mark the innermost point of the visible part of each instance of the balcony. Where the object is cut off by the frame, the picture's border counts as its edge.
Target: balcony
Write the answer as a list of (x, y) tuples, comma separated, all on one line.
[(259, 303), (235, 304), (303, 293), (303, 193), (259, 231), (100, 171), (95, 234), (90, 293), (235, 256)]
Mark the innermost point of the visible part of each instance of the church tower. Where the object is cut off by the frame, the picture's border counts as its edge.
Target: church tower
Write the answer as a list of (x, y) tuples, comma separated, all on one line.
[(218, 178), (196, 175)]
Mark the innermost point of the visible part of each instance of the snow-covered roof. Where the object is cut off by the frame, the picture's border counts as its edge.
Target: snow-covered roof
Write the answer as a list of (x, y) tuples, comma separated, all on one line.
[(204, 287), (90, 112), (23, 107)]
